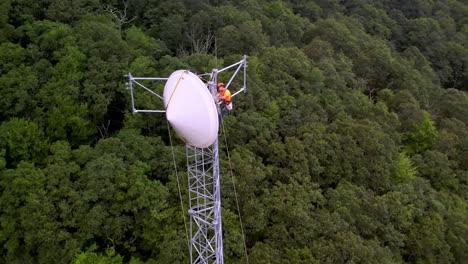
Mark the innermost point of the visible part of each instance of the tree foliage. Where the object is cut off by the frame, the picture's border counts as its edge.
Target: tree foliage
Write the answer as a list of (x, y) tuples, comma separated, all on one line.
[(350, 146)]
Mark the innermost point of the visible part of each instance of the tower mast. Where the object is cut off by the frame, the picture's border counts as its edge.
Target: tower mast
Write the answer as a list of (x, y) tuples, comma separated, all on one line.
[(203, 175), (206, 239), (206, 234)]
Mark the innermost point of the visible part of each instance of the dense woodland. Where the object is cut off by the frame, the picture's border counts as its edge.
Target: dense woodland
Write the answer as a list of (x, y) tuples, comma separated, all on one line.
[(350, 146)]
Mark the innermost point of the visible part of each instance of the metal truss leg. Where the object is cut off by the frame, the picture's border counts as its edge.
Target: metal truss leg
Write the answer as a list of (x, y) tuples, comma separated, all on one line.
[(206, 242)]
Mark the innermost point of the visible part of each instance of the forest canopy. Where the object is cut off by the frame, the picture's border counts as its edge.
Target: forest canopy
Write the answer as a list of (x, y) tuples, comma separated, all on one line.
[(350, 146)]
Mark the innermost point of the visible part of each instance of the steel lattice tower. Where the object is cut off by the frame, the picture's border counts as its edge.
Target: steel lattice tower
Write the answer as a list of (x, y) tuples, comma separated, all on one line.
[(206, 240), (203, 175)]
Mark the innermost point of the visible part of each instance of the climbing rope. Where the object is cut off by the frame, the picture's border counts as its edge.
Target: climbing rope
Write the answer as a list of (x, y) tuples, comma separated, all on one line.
[(175, 88), (235, 193), (178, 186)]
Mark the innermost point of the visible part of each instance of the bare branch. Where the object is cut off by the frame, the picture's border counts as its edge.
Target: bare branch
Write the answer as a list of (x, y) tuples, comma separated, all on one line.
[(104, 129), (200, 42), (119, 16)]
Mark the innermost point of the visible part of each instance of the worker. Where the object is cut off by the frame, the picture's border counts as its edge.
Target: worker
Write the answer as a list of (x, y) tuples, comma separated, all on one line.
[(224, 97)]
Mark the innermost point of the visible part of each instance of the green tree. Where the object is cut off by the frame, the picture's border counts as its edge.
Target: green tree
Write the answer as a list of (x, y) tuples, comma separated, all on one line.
[(408, 110), (70, 12), (107, 59), (90, 257), (456, 225), (436, 167), (143, 45), (422, 137), (69, 122), (65, 79), (458, 55), (426, 242), (18, 86), (287, 70), (172, 31), (426, 34), (453, 141), (246, 38), (11, 56), (453, 104), (22, 140), (284, 204), (374, 19), (7, 31), (405, 170), (342, 32), (21, 209)]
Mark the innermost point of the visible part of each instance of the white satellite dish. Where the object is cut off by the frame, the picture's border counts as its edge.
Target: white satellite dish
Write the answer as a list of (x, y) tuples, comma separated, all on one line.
[(190, 109)]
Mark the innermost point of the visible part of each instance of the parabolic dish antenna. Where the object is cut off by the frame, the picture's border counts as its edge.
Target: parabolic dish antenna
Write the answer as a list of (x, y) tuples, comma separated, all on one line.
[(190, 109)]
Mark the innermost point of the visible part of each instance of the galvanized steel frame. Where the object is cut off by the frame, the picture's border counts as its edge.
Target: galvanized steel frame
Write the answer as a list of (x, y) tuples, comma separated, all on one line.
[(206, 234), (206, 240)]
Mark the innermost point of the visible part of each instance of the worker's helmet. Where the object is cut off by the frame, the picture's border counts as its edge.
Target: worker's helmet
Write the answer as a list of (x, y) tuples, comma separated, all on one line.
[(220, 84)]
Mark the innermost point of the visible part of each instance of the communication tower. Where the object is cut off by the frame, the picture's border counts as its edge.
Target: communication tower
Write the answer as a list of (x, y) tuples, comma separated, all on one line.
[(195, 115)]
